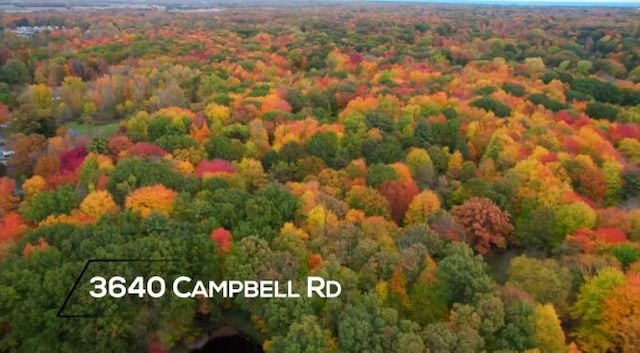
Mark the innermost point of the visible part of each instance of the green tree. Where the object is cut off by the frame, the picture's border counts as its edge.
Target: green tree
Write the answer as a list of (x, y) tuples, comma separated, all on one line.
[(588, 308), (222, 147), (249, 258), (14, 72), (463, 273), (99, 144), (534, 226), (421, 166), (514, 89), (545, 101), (380, 120), (492, 105), (324, 145), (460, 334), (519, 331), (72, 95), (47, 203), (626, 253), (267, 212), (428, 296), (305, 336), (599, 110), (612, 175), (36, 112), (366, 325), (31, 303), (546, 280), (379, 173), (572, 217), (132, 173), (388, 151), (631, 180)]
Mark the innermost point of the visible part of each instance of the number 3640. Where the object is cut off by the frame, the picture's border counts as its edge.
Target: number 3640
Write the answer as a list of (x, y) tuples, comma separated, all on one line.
[(118, 287)]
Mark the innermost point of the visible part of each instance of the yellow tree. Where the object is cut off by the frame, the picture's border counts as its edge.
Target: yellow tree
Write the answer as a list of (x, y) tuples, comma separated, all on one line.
[(34, 185), (423, 206), (421, 166), (218, 114), (612, 171), (630, 148), (549, 333), (149, 199), (252, 173), (98, 203), (454, 168), (72, 94)]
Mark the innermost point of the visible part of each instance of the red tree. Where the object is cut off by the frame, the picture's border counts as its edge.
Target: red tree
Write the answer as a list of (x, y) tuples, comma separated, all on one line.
[(146, 150), (223, 238), (73, 158), (12, 226), (399, 194), (4, 113), (214, 166), (118, 144), (590, 240)]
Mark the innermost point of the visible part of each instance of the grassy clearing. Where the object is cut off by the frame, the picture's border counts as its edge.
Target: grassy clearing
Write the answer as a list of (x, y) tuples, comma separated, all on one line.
[(94, 130)]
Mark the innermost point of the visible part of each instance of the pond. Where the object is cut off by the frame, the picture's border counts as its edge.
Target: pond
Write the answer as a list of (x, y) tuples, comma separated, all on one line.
[(230, 344)]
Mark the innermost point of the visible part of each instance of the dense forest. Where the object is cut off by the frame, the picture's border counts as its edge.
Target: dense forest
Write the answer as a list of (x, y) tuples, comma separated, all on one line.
[(470, 175)]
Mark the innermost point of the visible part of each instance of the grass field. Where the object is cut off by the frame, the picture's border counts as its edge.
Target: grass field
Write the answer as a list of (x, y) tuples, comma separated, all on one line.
[(94, 130)]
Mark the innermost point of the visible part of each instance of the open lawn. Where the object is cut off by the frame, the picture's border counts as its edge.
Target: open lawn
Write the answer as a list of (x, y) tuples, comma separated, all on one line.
[(94, 130)]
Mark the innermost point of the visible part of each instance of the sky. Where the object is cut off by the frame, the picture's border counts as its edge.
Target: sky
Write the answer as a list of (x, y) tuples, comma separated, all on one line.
[(632, 3), (530, 1)]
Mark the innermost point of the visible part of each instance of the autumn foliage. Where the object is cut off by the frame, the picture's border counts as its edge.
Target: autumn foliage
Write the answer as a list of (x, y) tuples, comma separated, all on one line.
[(149, 199), (12, 226), (423, 206), (621, 315), (98, 203), (145, 150), (399, 194), (30, 248), (4, 114), (8, 201), (72, 159), (486, 225), (590, 240), (223, 238), (470, 175), (216, 166)]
